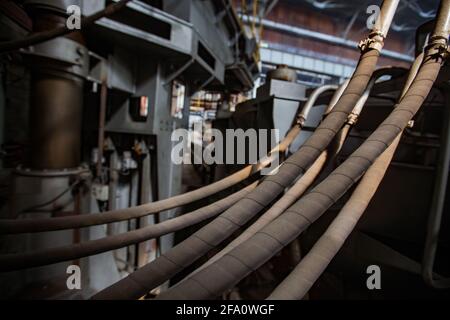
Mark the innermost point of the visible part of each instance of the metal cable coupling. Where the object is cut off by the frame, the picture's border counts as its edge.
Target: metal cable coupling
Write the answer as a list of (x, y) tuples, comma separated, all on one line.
[(375, 41), (438, 47), (300, 121), (352, 119)]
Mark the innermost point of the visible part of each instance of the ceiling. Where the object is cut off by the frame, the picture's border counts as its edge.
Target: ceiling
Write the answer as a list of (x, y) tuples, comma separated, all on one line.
[(410, 14)]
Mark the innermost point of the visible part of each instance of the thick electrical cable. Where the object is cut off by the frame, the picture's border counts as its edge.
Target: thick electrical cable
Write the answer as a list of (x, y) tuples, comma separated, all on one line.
[(295, 192), (301, 279), (296, 285), (57, 254), (15, 226), (166, 266), (17, 261), (299, 188), (234, 266)]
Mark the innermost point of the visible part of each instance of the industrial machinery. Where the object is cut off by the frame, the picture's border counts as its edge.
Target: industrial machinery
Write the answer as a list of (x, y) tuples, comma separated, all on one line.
[(93, 94), (95, 111)]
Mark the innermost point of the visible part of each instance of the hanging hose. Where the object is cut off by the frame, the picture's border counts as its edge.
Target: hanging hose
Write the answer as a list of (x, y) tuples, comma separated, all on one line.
[(241, 261), (354, 115), (52, 224), (14, 226), (53, 255), (185, 253), (303, 116), (157, 272), (179, 257), (161, 262), (300, 281), (297, 164), (337, 95), (43, 36), (298, 189), (295, 192), (10, 262)]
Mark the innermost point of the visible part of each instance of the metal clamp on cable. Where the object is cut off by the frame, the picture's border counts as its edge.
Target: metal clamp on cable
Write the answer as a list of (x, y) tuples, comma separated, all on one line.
[(300, 121), (352, 119), (438, 47), (374, 41)]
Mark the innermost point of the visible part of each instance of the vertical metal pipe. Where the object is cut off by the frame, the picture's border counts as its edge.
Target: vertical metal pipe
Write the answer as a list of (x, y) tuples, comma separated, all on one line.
[(101, 127), (56, 104), (437, 206), (2, 110), (438, 40), (443, 21), (386, 16)]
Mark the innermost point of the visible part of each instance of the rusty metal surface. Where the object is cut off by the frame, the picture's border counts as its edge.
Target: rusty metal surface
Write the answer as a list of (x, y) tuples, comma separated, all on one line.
[(56, 107)]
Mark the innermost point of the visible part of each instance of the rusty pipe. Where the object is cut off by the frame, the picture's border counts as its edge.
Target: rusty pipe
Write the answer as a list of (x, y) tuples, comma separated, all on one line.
[(55, 106), (55, 114)]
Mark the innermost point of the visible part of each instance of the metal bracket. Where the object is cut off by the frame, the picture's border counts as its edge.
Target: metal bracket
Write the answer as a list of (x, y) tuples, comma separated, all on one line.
[(176, 73), (204, 84)]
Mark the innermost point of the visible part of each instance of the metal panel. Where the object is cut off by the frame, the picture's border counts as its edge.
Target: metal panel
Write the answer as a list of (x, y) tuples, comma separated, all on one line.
[(180, 31), (282, 90)]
